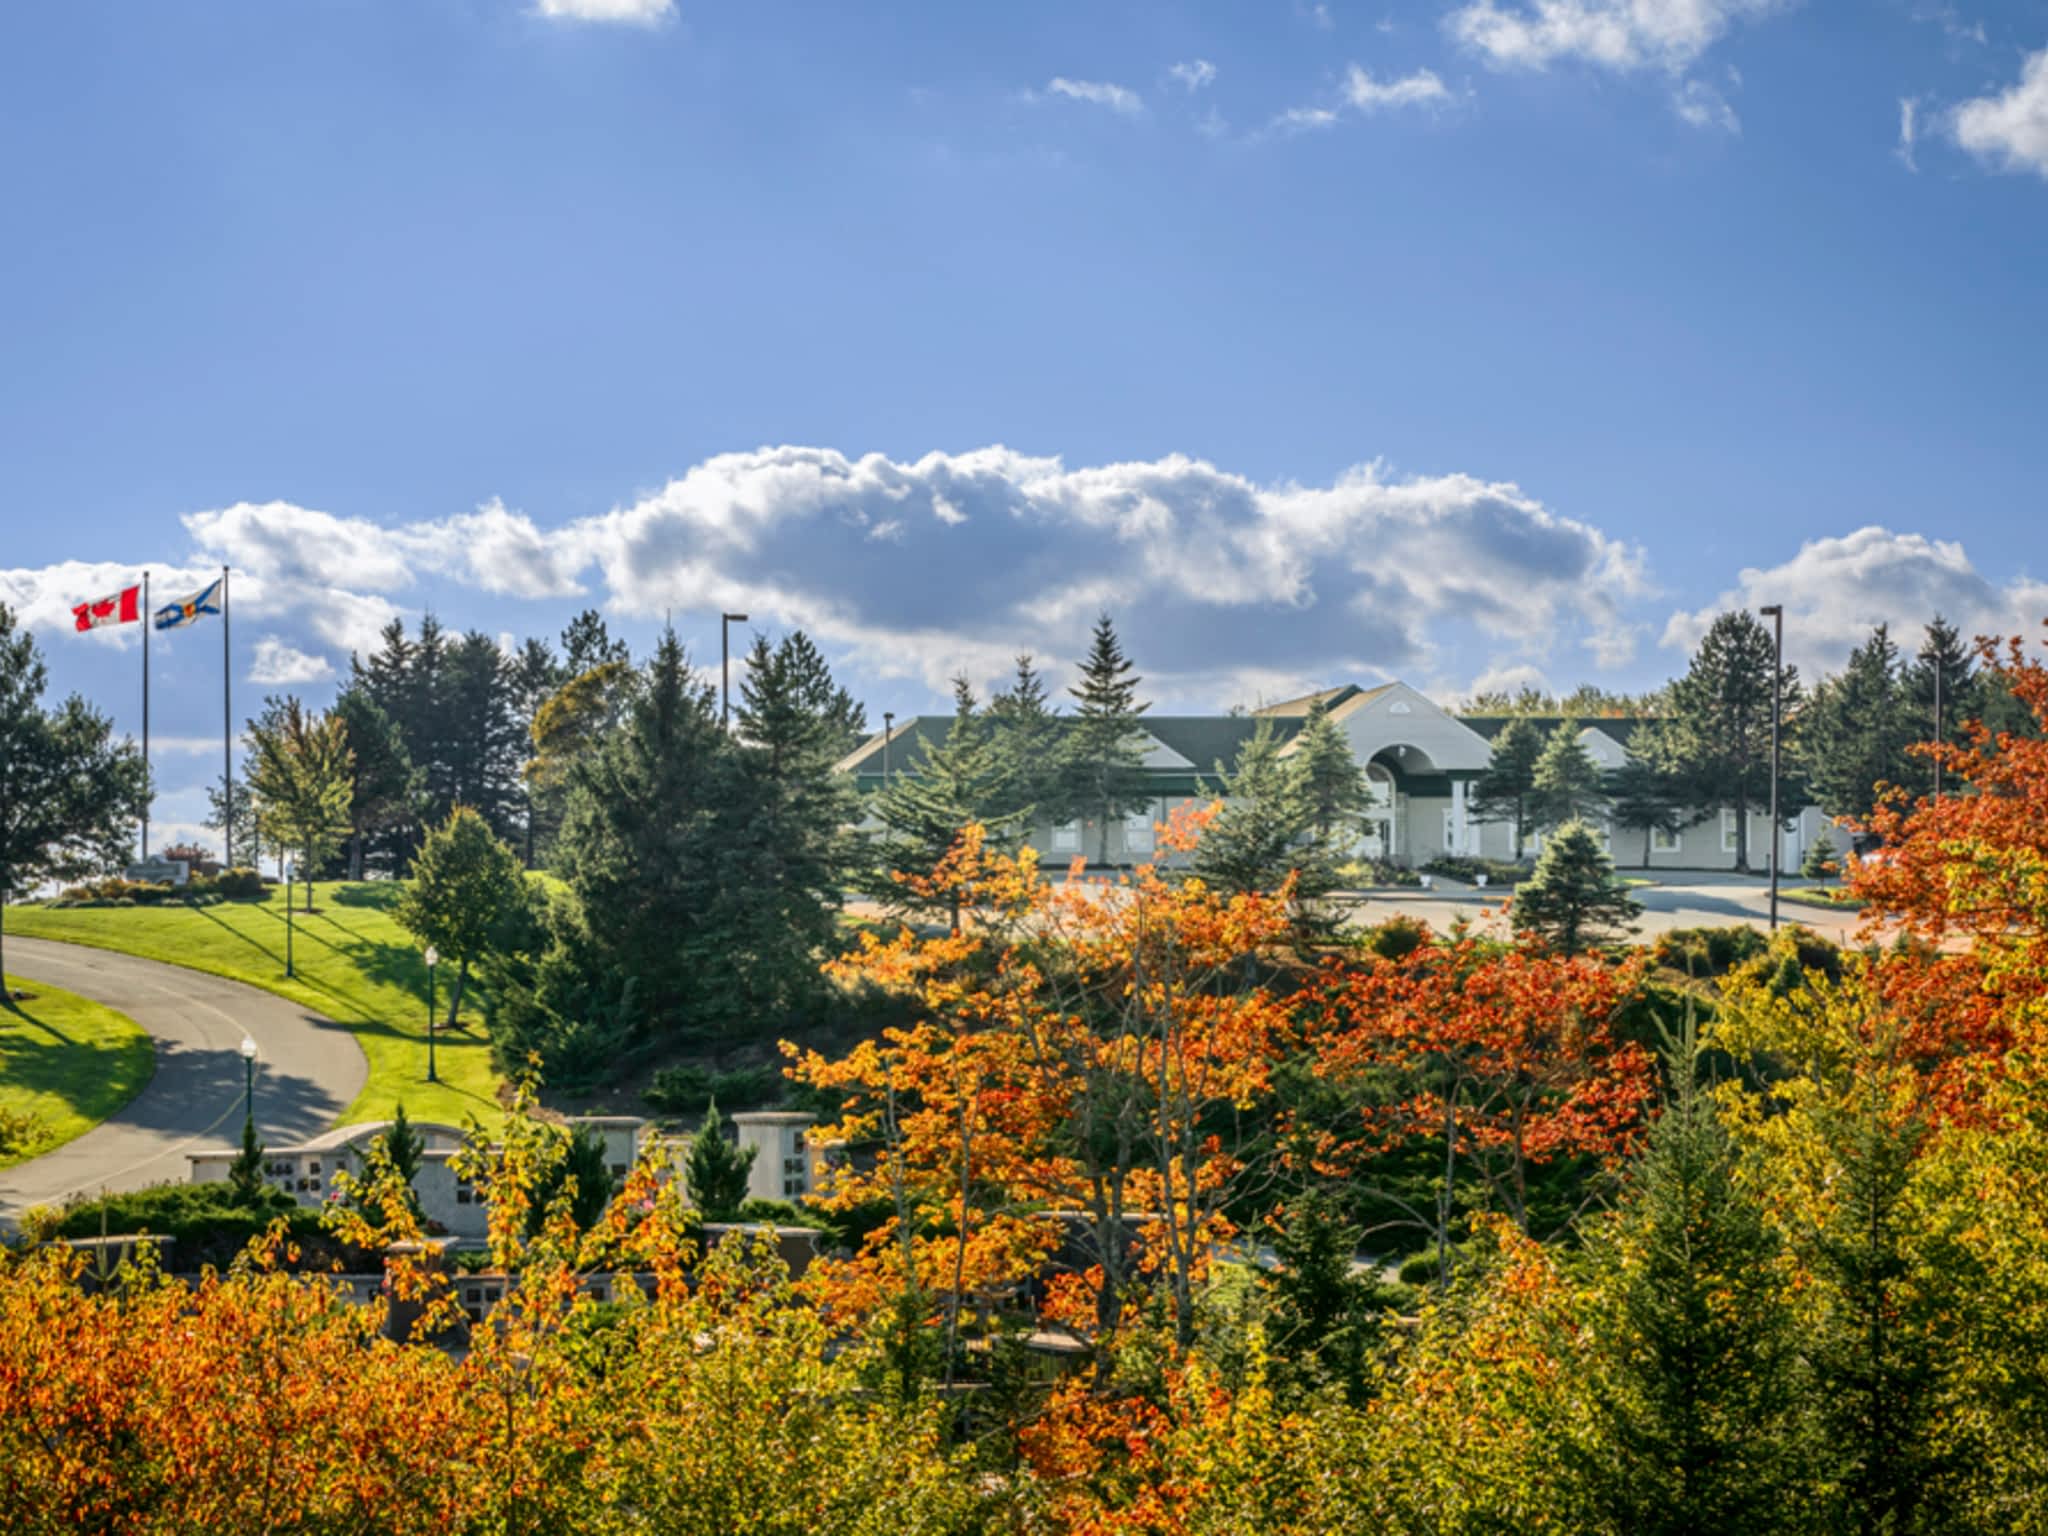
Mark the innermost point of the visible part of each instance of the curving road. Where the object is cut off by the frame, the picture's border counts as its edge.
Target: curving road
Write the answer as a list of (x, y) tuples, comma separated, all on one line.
[(307, 1070)]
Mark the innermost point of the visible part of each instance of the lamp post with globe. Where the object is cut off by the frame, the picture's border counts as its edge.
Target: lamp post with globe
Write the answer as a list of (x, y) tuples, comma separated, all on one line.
[(433, 959)]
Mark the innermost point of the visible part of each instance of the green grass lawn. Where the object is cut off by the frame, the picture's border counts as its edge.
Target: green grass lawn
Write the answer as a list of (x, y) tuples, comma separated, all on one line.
[(352, 962), (1821, 896), (66, 1063)]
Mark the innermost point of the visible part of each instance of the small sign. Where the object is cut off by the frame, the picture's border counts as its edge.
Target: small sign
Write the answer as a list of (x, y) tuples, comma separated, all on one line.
[(160, 872)]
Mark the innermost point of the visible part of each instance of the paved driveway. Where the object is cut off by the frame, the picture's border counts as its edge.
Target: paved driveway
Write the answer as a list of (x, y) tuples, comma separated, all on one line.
[(1677, 900), (307, 1071)]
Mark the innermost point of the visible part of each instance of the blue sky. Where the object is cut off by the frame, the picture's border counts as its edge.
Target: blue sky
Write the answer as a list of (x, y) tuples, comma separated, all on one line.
[(1458, 342)]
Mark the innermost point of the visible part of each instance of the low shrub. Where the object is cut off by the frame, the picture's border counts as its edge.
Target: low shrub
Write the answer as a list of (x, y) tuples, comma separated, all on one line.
[(18, 1131), (207, 1223), (1468, 869), (1360, 873), (1397, 938), (1708, 951), (200, 890)]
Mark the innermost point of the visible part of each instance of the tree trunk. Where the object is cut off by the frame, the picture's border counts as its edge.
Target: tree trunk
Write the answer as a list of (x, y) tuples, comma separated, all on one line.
[(355, 856), (455, 992), (1742, 832), (1648, 833)]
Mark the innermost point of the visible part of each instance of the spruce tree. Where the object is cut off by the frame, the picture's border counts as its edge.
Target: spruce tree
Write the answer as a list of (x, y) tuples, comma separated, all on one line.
[(1321, 1321), (587, 644), (532, 675), (1854, 732), (792, 853), (1332, 779), (1820, 862), (1028, 736), (483, 740), (1695, 1390), (245, 1173), (716, 1173), (1944, 655), (1104, 759), (383, 789), (954, 780), (1573, 901), (1723, 704), (1266, 828), (1566, 784), (1650, 791), (1506, 791)]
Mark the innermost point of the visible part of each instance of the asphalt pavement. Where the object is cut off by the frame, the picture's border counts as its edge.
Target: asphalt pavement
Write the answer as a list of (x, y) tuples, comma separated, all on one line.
[(1679, 899), (308, 1069)]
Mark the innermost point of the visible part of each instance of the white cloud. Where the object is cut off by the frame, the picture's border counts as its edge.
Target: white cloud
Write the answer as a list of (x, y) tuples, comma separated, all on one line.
[(1621, 35), (1303, 119), (279, 664), (1700, 105), (1421, 89), (1834, 590), (1509, 678), (1194, 73), (1909, 131), (1099, 93), (2009, 129), (640, 13), (1320, 15)]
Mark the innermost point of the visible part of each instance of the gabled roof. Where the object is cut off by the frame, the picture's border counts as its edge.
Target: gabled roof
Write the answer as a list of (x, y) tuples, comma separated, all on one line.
[(1290, 708), (1200, 740)]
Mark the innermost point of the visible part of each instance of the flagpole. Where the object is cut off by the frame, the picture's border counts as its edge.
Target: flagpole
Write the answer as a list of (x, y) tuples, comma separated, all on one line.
[(148, 792), (227, 732)]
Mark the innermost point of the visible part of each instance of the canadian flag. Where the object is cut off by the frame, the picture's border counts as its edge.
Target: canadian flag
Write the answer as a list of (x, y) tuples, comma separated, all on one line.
[(123, 607)]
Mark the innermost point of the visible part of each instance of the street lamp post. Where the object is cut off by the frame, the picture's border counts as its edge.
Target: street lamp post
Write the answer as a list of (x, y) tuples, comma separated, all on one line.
[(291, 874), (249, 1079), (888, 730), (433, 959), (1776, 614), (725, 624)]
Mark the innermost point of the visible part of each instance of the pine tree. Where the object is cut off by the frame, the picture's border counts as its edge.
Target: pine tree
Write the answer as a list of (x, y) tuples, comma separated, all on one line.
[(1332, 779), (1266, 828), (1104, 759), (532, 677), (1723, 704), (793, 853), (959, 779), (1696, 1395), (1566, 783), (1854, 732), (1506, 791), (383, 788), (1322, 1322), (245, 1173), (1820, 861), (1944, 654), (716, 1174), (587, 644), (1573, 901), (1650, 791), (1027, 734), (482, 738)]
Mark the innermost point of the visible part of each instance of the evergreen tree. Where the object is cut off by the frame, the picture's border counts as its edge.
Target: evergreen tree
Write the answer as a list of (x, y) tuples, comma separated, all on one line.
[(69, 794), (382, 785), (1027, 735), (532, 677), (1944, 655), (1573, 901), (483, 739), (1506, 791), (302, 774), (793, 852), (404, 1146), (716, 1173), (1104, 758), (960, 778), (466, 891), (245, 1173), (1854, 733), (647, 821), (1820, 861), (423, 722), (1566, 784), (579, 1162), (1650, 792), (1266, 828), (1322, 1322), (1332, 779), (587, 645), (1696, 1394), (1723, 704)]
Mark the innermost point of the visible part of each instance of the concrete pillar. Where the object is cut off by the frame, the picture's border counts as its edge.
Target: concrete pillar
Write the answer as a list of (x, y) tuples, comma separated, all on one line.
[(1461, 830)]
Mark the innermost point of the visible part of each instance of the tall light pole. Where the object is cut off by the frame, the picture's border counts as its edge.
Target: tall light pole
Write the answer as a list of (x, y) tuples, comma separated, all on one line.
[(888, 730), (433, 959), (1776, 614), (726, 622), (249, 1079), (291, 874)]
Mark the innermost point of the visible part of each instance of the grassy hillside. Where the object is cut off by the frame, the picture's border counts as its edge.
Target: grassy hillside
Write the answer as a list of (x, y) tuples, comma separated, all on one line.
[(352, 962), (65, 1062)]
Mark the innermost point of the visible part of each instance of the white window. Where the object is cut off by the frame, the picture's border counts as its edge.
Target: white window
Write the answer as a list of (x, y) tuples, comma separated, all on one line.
[(1662, 841), (1138, 832), (1727, 831), (1066, 837)]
